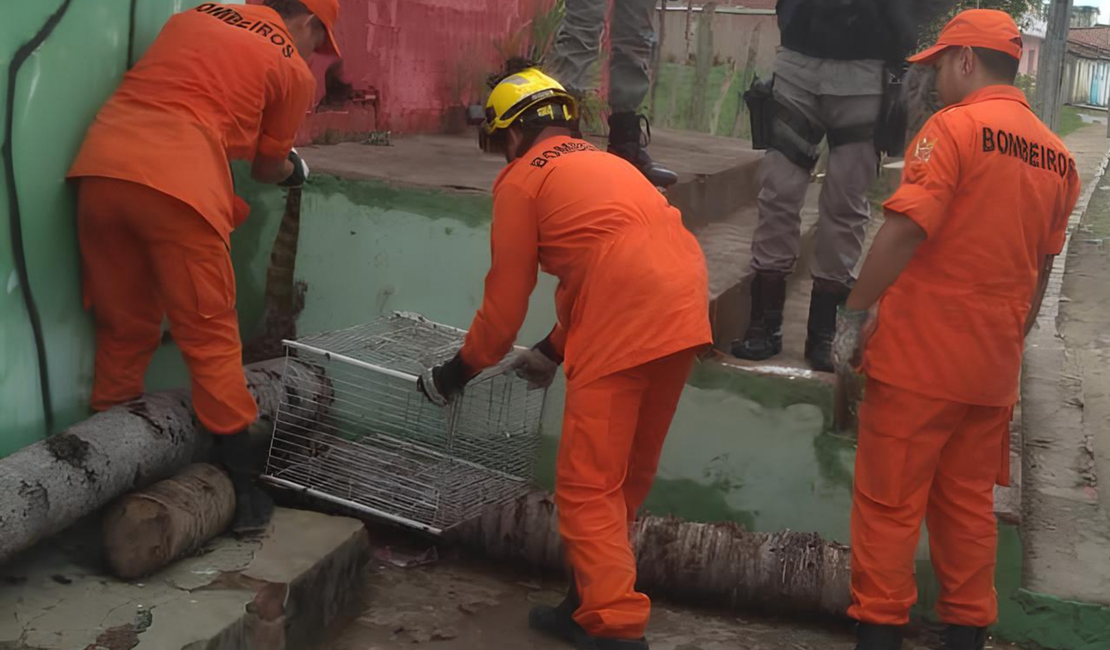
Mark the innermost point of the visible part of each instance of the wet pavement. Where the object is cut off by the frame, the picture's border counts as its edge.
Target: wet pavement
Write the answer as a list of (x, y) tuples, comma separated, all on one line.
[(456, 604)]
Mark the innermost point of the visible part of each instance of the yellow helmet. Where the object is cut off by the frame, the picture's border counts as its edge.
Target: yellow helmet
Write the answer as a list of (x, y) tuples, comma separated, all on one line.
[(528, 95), (515, 94)]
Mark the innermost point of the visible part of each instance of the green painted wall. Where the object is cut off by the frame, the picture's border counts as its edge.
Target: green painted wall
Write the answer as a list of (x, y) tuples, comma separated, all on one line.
[(57, 92), (710, 104)]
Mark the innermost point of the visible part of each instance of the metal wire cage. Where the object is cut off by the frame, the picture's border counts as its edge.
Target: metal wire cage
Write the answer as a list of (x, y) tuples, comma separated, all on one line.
[(382, 448)]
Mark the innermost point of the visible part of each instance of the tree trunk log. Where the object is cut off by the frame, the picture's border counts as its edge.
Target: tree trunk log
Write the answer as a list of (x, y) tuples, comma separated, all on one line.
[(46, 487), (718, 565), (146, 530)]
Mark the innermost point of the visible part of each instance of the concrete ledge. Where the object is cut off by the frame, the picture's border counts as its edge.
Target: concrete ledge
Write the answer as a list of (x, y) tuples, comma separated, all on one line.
[(716, 174), (280, 591)]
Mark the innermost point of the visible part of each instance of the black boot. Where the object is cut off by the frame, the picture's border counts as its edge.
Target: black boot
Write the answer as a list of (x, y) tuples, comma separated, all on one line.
[(826, 298), (559, 622), (763, 338), (628, 141), (878, 637), (253, 507), (963, 637)]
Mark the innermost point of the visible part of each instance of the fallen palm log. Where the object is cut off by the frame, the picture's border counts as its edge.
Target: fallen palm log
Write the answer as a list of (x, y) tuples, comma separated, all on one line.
[(146, 530), (46, 487), (719, 565)]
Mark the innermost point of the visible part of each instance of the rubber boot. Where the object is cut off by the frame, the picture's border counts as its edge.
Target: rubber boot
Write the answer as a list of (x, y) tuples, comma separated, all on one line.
[(628, 141), (559, 622), (253, 507), (763, 338), (963, 637), (824, 301), (878, 637)]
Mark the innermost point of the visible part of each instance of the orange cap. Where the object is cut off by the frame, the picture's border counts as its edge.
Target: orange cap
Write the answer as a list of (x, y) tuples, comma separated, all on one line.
[(989, 28), (328, 12)]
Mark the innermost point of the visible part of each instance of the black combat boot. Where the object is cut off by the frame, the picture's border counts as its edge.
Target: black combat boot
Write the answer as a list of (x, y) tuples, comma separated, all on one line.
[(763, 338), (963, 637), (878, 637), (628, 141), (824, 301), (253, 507), (559, 622)]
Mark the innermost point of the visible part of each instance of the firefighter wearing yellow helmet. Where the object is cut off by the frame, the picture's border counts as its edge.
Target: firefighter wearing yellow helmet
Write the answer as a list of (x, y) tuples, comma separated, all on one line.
[(633, 311), (528, 99)]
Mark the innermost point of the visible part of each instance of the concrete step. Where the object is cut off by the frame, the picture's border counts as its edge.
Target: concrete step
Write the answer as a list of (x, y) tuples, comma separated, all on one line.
[(281, 591)]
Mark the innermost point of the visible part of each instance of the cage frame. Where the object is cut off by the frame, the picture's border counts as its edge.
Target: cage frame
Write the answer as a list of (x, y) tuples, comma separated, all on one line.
[(328, 356)]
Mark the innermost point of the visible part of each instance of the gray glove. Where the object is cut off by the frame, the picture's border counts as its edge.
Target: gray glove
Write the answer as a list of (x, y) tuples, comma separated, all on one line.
[(852, 329), (300, 171), (535, 367)]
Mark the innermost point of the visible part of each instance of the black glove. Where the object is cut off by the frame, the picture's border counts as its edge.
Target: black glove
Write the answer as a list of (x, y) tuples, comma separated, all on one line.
[(548, 349), (448, 381), (300, 171)]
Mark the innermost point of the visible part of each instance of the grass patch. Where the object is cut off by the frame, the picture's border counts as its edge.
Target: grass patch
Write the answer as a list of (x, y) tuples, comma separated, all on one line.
[(1096, 219), (1071, 119)]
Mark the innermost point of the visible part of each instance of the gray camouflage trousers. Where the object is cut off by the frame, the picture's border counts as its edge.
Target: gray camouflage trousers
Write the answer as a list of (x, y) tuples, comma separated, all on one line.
[(832, 95), (578, 42)]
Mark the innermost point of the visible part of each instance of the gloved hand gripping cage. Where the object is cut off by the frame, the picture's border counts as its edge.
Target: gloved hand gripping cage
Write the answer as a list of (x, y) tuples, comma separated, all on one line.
[(383, 449)]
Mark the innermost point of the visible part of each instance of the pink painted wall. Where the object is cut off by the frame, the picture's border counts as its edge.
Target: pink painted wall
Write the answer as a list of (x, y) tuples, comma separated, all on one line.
[(423, 56)]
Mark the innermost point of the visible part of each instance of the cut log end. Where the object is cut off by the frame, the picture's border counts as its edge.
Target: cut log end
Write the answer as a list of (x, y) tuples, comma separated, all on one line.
[(146, 530)]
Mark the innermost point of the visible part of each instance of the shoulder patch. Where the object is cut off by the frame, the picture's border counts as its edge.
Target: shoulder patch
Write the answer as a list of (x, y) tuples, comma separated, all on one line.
[(923, 151)]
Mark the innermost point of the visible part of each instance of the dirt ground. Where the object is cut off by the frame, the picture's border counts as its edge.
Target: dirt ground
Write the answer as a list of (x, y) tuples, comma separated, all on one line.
[(459, 604)]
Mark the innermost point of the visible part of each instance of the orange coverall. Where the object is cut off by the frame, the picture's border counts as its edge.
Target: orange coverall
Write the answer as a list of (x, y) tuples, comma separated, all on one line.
[(993, 189), (632, 305), (156, 205)]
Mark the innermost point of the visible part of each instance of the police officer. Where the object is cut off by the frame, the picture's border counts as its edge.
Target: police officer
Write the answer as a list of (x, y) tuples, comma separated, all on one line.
[(828, 84), (633, 40)]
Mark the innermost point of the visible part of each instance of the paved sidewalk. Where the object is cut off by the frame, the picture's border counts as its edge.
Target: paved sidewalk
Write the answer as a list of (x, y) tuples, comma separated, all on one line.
[(1066, 406)]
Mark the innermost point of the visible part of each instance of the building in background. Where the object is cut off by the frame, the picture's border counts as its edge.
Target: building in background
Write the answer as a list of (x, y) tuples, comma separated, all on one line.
[(1084, 17), (1087, 66), (1032, 35)]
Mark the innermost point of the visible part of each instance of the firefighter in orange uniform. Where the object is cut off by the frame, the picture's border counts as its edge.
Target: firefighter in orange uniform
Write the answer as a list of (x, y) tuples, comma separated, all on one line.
[(632, 306), (952, 284), (156, 205)]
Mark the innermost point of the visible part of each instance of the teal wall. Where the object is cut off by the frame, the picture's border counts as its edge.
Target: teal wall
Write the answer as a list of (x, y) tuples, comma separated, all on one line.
[(57, 92)]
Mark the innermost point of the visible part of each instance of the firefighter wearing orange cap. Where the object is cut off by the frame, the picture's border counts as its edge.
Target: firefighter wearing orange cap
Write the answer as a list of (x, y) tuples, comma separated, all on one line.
[(632, 308), (952, 284), (156, 205)]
